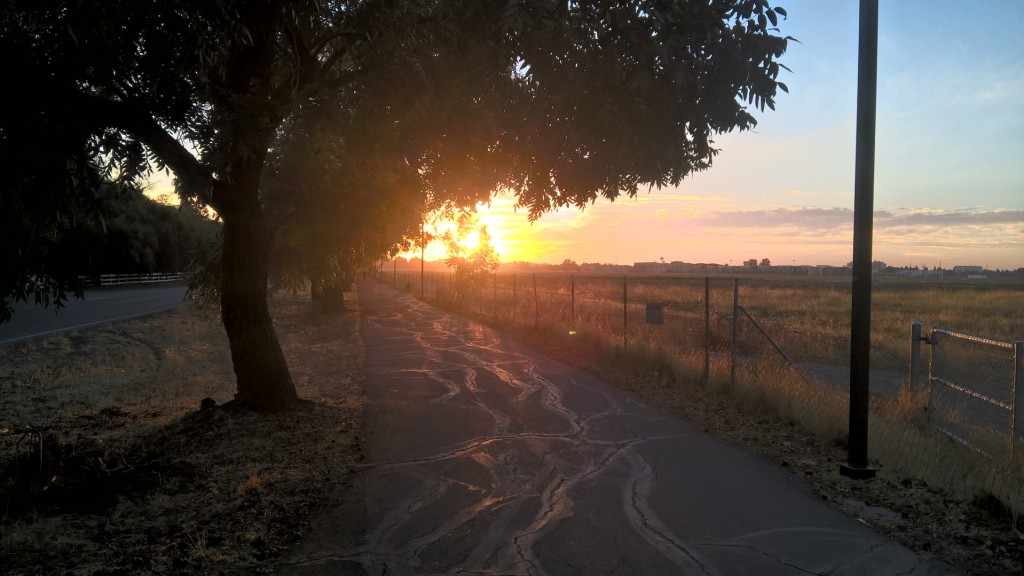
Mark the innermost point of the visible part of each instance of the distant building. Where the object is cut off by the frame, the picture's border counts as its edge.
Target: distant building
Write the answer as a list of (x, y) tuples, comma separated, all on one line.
[(827, 270), (606, 268), (917, 273), (968, 269), (649, 267)]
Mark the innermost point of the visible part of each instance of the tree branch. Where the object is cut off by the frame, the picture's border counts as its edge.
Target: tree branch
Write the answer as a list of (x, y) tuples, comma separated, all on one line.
[(334, 36), (196, 179), (311, 64)]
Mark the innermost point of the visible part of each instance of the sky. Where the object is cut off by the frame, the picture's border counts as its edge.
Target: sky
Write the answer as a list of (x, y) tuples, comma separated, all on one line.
[(949, 172), (949, 165)]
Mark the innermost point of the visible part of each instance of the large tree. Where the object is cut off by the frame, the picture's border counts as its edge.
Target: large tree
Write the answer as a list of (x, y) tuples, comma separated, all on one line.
[(559, 101)]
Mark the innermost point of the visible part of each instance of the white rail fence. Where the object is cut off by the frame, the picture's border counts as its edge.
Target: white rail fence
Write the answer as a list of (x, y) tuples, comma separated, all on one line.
[(116, 279)]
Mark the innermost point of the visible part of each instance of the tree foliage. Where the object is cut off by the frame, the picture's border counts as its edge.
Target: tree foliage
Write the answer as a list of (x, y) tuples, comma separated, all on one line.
[(329, 126), (472, 266), (115, 229), (623, 95), (134, 234), (345, 199)]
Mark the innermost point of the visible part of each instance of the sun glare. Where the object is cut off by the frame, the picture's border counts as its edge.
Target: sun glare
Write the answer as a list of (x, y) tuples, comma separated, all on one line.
[(471, 242), (500, 220)]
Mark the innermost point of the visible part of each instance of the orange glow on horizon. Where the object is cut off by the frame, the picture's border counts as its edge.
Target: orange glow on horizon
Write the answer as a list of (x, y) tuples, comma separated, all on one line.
[(509, 231)]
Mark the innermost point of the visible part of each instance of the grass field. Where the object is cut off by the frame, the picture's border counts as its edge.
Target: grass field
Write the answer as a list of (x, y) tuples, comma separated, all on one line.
[(809, 317)]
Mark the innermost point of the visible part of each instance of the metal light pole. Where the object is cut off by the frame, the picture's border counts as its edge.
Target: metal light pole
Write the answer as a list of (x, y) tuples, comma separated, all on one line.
[(423, 249), (863, 211)]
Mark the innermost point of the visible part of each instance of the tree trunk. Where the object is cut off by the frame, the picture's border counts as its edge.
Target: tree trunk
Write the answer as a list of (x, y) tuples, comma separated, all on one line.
[(261, 372), (333, 298), (327, 296), (316, 291)]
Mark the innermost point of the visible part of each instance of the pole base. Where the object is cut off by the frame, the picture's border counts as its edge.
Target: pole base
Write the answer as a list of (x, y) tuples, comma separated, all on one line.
[(857, 472)]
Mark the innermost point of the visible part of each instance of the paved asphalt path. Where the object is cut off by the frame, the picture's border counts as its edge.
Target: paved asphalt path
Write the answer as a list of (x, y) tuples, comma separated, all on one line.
[(100, 306), (488, 458)]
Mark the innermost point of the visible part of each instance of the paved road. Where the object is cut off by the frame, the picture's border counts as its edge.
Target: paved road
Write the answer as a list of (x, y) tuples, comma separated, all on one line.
[(100, 306), (488, 458)]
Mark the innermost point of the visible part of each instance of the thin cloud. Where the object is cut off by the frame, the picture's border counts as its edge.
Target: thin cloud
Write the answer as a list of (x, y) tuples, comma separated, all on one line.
[(793, 192), (934, 217), (804, 218), (892, 220)]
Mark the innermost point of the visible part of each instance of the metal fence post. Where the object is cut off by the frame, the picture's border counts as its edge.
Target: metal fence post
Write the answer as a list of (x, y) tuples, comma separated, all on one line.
[(915, 355), (933, 349), (572, 302), (1017, 420), (515, 300), (536, 302), (707, 327), (625, 316), (735, 328)]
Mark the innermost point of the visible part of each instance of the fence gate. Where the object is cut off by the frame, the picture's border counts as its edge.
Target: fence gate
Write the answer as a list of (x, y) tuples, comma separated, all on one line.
[(976, 396)]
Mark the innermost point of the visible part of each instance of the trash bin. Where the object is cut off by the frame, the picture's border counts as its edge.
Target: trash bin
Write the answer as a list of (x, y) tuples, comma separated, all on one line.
[(655, 313)]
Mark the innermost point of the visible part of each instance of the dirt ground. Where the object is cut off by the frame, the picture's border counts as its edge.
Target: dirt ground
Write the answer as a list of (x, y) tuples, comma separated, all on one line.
[(133, 478)]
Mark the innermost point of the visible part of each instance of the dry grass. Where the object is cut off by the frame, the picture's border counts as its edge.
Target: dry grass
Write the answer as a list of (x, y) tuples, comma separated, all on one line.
[(808, 317), (133, 479)]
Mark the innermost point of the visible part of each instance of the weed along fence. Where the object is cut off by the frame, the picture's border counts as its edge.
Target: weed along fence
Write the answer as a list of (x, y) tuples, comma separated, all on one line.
[(976, 391), (618, 311), (692, 316), (784, 348)]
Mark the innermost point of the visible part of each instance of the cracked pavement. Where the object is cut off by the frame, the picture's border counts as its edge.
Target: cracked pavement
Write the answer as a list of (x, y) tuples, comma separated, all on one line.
[(488, 458)]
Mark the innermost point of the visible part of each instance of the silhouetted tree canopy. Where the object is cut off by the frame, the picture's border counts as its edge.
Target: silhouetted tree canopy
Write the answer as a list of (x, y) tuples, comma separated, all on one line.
[(560, 102), (134, 234), (112, 229), (345, 196)]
